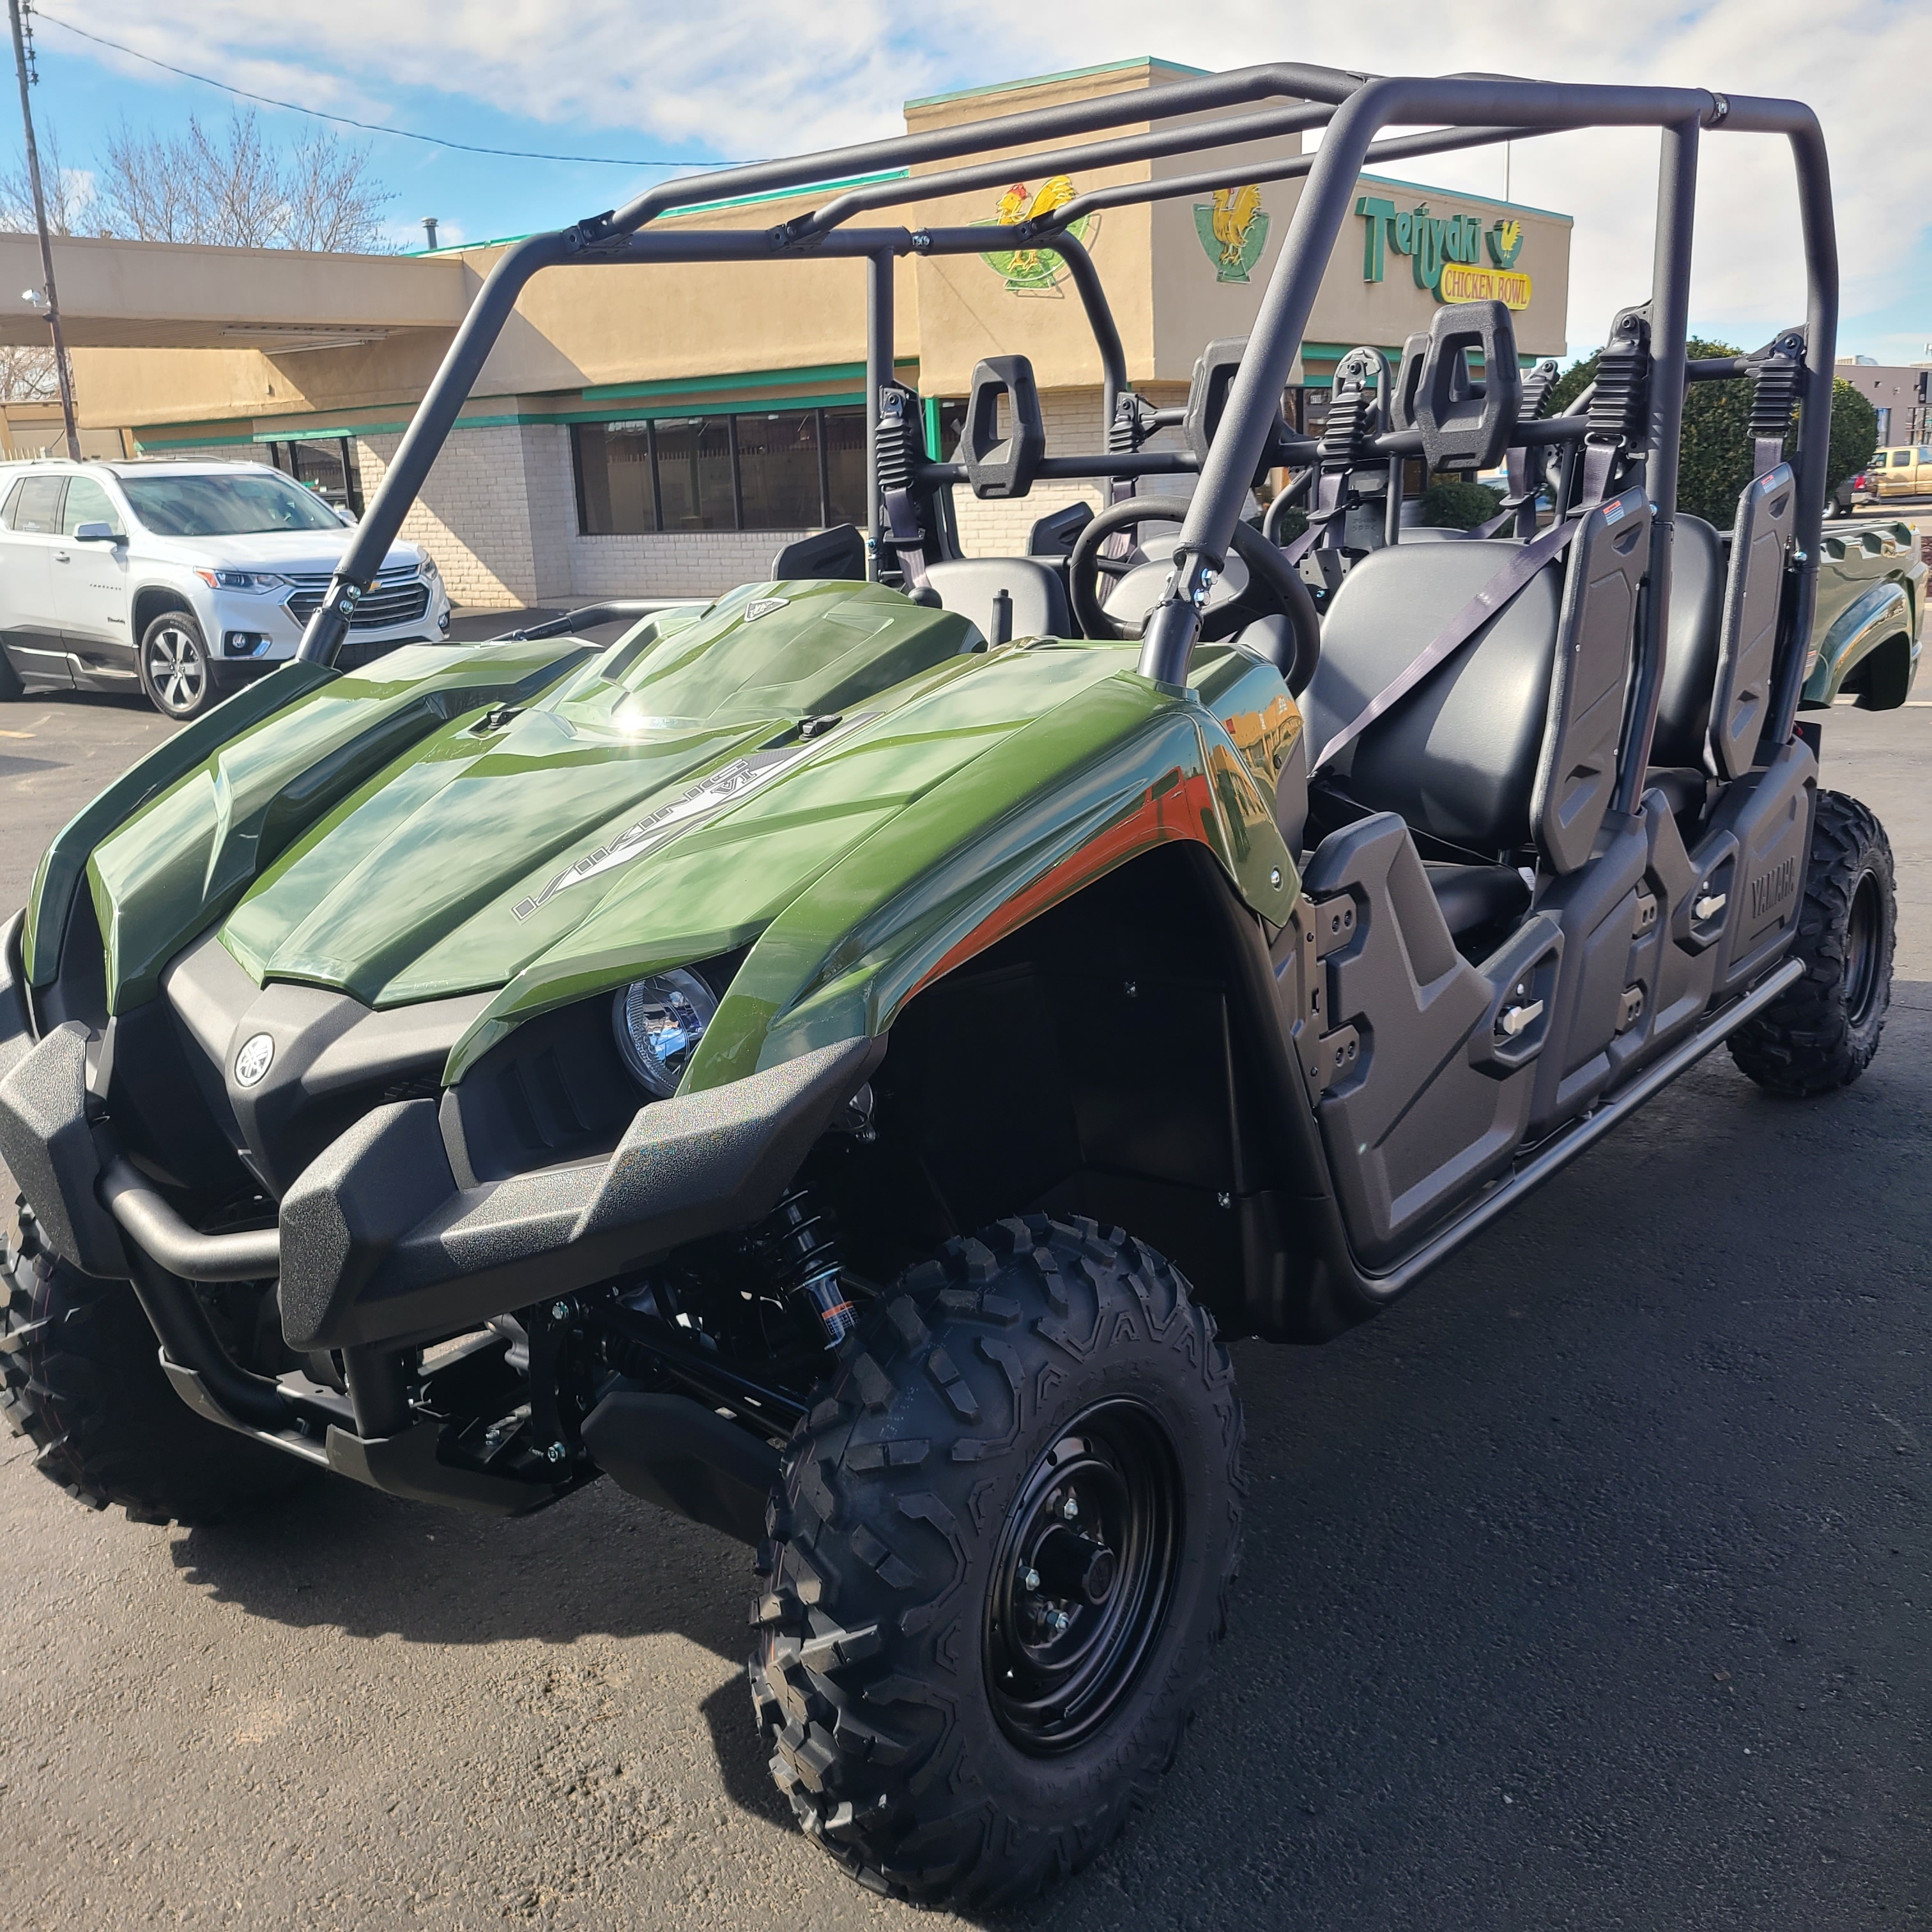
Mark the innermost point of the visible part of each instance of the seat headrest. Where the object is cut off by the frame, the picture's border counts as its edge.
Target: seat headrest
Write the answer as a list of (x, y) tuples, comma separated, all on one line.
[(1214, 374), (1465, 424), (1003, 465)]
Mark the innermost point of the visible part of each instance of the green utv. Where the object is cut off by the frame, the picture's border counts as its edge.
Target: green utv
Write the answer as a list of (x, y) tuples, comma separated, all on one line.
[(842, 1060)]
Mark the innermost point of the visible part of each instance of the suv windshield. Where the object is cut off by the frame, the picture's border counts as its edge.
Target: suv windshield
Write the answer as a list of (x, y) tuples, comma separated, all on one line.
[(243, 505)]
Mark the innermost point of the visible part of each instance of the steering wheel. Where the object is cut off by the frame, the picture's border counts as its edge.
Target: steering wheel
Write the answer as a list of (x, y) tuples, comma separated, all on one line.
[(1270, 587)]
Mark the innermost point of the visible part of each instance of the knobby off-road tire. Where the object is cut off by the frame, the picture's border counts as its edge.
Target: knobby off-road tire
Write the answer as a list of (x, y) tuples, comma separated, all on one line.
[(904, 1676), (80, 1378), (1822, 1034)]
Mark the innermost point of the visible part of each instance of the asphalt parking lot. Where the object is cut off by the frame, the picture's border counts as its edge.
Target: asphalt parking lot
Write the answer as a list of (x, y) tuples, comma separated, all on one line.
[(1588, 1587)]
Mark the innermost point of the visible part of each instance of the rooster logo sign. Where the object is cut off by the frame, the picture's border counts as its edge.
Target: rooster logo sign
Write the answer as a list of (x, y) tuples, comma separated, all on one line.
[(1233, 231), (1036, 270)]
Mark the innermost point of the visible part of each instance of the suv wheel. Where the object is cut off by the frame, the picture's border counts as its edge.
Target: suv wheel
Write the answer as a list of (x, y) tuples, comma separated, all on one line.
[(175, 671), (1000, 1555), (1823, 1033)]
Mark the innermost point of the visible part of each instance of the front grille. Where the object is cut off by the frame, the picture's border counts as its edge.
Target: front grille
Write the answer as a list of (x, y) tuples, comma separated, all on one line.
[(400, 597)]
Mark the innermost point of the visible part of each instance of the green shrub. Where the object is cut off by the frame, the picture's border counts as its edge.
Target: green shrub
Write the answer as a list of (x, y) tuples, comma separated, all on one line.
[(1716, 460), (1447, 505)]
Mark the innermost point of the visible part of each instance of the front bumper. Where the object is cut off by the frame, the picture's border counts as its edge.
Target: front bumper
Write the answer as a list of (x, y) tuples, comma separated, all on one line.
[(249, 634), (376, 1242)]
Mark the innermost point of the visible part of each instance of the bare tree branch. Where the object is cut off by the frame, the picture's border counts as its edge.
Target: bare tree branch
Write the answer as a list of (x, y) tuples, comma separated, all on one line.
[(27, 374), (230, 188), (69, 192)]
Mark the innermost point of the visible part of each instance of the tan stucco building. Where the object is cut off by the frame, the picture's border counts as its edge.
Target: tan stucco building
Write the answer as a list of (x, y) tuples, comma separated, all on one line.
[(663, 429)]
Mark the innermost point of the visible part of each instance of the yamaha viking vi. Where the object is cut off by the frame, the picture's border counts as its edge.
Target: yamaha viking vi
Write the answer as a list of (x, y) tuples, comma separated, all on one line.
[(843, 1060)]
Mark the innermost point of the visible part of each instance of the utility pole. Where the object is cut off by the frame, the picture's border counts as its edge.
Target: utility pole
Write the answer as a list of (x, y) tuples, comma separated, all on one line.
[(65, 375)]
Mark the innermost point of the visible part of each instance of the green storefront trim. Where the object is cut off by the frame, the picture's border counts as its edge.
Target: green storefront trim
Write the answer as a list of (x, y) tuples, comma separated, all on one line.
[(621, 403)]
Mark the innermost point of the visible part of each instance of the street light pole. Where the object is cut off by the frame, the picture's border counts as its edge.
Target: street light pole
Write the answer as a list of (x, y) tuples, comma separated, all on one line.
[(61, 371)]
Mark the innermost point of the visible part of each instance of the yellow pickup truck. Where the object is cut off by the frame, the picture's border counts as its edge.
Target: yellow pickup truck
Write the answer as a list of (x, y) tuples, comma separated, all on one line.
[(1901, 472)]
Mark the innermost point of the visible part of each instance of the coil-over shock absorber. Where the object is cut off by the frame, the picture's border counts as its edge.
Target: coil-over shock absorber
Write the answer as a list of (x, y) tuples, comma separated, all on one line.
[(796, 1238)]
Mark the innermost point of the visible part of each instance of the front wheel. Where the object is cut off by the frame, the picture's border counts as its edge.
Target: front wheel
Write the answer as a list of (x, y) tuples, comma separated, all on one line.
[(175, 670), (1822, 1034), (81, 1378), (1000, 1552)]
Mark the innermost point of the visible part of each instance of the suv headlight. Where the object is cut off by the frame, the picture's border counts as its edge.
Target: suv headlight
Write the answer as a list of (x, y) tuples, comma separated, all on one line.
[(427, 571), (659, 1022), (241, 580)]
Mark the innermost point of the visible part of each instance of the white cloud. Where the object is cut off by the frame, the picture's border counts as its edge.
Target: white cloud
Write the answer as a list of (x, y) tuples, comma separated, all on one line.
[(756, 77)]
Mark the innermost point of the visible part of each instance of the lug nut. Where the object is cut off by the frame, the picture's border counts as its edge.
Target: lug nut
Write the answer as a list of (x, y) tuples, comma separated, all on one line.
[(1029, 1579), (1058, 1622), (1070, 1508), (559, 1311)]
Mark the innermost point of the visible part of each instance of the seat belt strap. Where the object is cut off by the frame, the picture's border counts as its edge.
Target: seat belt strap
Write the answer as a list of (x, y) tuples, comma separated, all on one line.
[(1328, 507), (903, 534), (1522, 497), (1499, 592)]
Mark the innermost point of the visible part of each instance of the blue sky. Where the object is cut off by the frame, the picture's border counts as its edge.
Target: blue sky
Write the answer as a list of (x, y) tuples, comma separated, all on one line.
[(740, 79)]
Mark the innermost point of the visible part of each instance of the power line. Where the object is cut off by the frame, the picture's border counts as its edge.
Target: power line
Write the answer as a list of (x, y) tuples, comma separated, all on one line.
[(367, 126)]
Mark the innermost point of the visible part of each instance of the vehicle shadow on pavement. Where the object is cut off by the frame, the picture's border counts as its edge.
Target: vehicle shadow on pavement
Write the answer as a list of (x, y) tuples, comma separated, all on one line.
[(335, 1555), (1573, 1576)]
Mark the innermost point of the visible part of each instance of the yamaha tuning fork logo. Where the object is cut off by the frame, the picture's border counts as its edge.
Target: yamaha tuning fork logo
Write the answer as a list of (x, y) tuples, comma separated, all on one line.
[(253, 1062)]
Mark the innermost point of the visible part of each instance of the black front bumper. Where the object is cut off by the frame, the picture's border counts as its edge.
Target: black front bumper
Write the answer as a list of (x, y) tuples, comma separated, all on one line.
[(376, 1241)]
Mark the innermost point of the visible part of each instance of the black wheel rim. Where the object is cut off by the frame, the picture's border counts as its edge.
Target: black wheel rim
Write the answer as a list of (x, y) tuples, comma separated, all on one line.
[(177, 671), (1078, 1598), (1865, 949)]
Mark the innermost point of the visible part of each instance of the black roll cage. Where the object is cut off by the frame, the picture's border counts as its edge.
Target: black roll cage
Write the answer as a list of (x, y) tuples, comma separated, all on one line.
[(1473, 110)]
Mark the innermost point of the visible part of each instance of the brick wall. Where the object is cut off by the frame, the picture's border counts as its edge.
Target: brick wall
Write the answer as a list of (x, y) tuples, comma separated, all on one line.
[(472, 514), (690, 563)]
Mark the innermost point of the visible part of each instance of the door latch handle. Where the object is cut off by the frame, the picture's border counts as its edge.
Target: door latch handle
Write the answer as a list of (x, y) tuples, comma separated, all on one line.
[(63, 556), (1518, 1019), (1710, 905)]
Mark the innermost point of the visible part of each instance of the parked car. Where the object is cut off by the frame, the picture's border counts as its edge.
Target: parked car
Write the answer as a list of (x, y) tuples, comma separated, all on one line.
[(190, 579), (1901, 472), (1853, 493)]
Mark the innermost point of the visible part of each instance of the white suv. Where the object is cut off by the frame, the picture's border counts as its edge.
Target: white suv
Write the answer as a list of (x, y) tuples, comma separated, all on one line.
[(190, 578)]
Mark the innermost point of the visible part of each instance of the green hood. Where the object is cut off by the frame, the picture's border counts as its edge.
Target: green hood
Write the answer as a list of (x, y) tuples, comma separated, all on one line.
[(796, 761)]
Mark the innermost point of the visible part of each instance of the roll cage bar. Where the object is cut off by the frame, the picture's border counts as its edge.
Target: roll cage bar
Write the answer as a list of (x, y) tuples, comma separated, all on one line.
[(1473, 110)]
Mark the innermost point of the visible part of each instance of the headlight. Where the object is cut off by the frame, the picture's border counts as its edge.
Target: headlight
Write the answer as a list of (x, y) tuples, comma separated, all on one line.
[(241, 580), (659, 1022), (427, 570)]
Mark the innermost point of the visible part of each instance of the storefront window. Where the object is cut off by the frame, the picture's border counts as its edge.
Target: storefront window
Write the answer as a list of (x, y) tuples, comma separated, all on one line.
[(778, 470), (694, 474), (845, 466), (792, 469), (615, 495), (324, 464)]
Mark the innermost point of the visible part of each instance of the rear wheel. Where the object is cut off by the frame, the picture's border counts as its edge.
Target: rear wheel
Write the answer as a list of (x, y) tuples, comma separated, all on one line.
[(175, 670), (80, 1378), (1000, 1553), (1822, 1034)]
